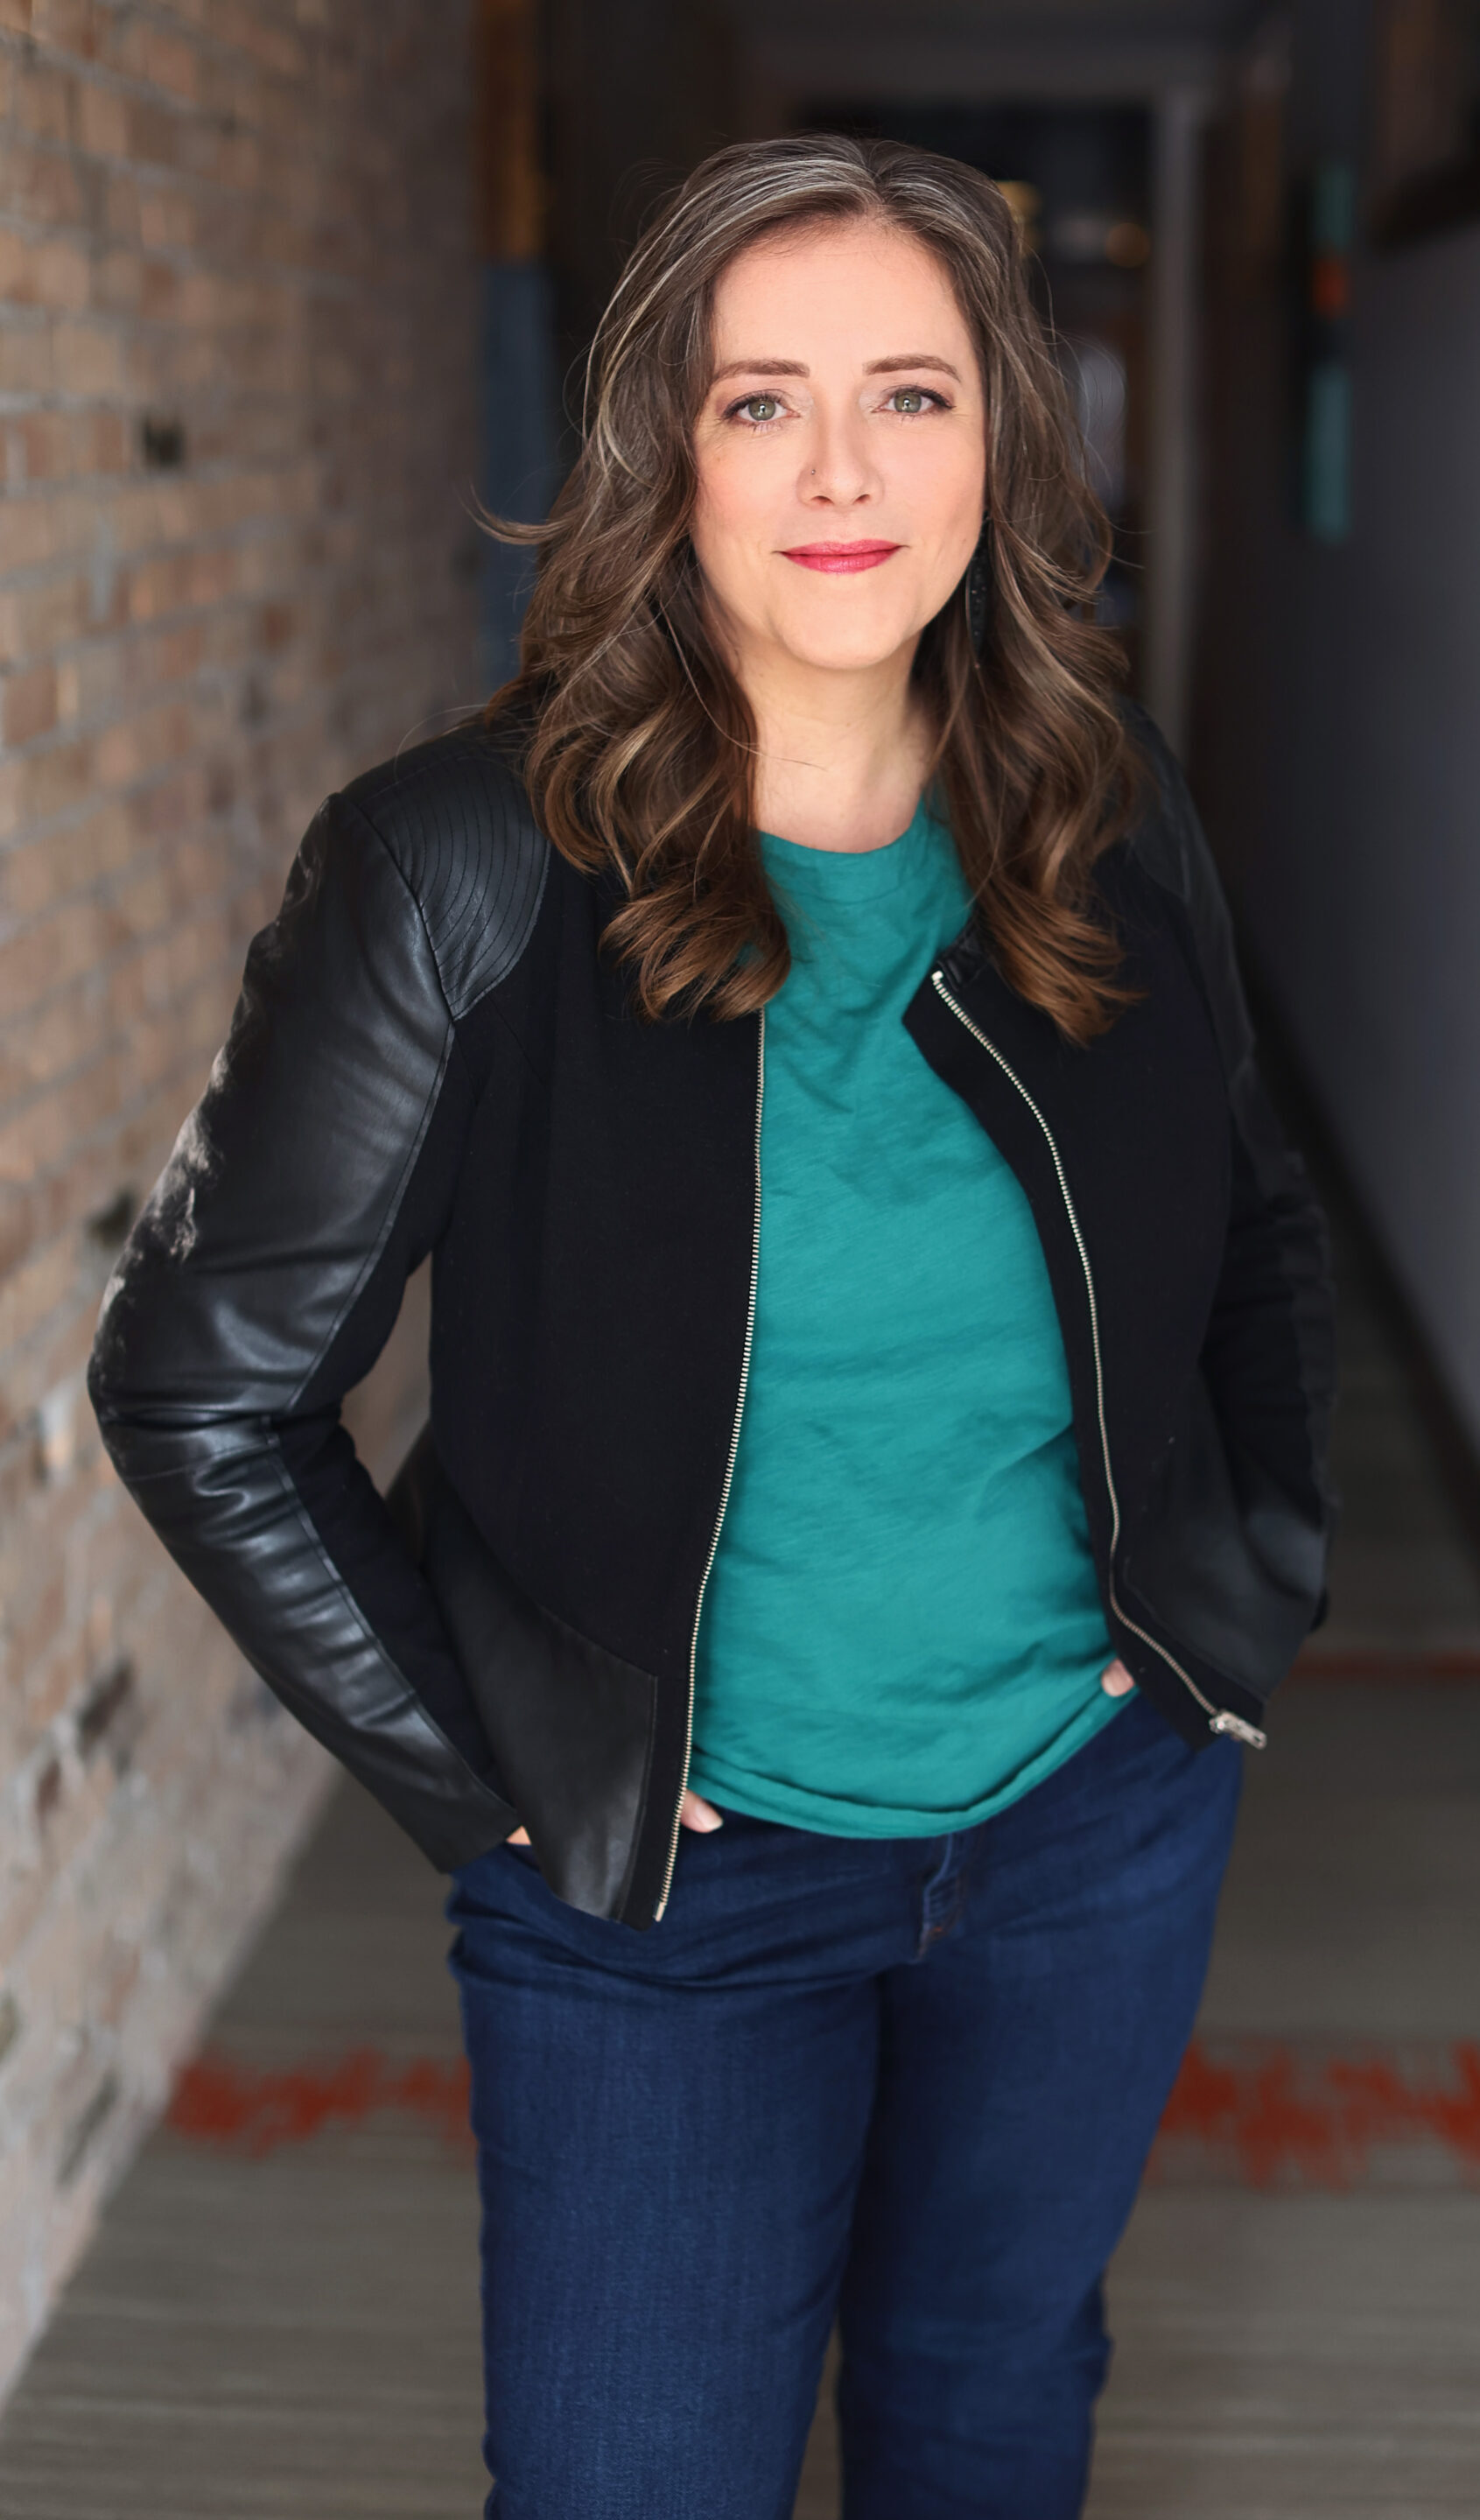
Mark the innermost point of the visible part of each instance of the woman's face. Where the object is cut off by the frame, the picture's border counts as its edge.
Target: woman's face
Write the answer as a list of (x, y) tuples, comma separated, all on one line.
[(840, 450)]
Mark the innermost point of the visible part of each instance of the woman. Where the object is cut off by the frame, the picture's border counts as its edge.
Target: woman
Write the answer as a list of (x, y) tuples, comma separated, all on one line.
[(881, 1361)]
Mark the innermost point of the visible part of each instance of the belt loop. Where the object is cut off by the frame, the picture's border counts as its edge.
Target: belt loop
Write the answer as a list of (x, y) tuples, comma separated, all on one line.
[(940, 1898)]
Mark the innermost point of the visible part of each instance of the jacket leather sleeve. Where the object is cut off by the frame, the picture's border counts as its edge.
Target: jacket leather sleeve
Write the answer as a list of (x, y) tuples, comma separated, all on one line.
[(1269, 1359), (258, 1285)]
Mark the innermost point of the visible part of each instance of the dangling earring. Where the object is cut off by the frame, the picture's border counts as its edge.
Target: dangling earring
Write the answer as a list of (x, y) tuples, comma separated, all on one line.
[(978, 591)]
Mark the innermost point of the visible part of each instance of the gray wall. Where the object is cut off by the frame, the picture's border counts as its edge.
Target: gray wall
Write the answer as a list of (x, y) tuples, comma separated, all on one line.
[(1362, 888)]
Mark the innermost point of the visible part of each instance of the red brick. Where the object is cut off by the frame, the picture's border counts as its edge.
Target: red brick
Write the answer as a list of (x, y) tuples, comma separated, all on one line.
[(298, 292), (102, 120), (139, 744), (25, 358), (51, 271), (51, 526), (43, 100), (89, 358), (40, 184), (50, 1685), (29, 703), (65, 863), (46, 956), (41, 447), (67, 26), (25, 532), (36, 1620), (157, 137), (30, 1294), (161, 290), (167, 657), (170, 63), (17, 257), (38, 1053), (62, 776), (165, 219), (38, 619), (123, 205), (107, 442)]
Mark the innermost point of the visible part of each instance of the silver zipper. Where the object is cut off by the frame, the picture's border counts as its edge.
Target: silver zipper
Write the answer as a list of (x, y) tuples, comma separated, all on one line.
[(724, 1493), (1221, 1718)]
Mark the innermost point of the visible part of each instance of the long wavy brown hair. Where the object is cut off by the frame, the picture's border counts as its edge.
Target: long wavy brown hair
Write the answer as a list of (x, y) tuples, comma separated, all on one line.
[(638, 743)]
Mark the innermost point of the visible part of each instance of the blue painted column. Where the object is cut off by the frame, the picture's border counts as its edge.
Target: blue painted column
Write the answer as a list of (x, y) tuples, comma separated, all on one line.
[(1327, 457)]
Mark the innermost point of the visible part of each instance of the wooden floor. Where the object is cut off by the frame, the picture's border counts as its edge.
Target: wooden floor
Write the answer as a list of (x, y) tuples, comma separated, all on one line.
[(279, 2315), (294, 2331)]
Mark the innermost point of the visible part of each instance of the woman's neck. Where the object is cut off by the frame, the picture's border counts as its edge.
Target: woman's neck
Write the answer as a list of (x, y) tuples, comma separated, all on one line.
[(842, 756)]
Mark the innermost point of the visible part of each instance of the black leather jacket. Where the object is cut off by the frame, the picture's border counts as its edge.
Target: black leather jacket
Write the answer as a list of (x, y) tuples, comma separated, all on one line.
[(431, 1055)]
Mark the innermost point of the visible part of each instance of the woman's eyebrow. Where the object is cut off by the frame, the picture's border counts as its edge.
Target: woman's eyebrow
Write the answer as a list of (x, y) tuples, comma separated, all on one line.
[(914, 359), (798, 368), (760, 367)]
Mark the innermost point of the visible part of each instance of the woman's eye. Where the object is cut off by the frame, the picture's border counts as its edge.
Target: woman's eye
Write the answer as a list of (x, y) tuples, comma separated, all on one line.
[(911, 400), (760, 407)]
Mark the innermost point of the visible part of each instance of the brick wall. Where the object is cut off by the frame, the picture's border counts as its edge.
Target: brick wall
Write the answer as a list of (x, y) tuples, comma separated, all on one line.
[(235, 433)]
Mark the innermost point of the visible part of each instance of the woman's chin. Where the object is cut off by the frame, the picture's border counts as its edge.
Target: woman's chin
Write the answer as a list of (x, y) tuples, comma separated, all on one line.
[(847, 647)]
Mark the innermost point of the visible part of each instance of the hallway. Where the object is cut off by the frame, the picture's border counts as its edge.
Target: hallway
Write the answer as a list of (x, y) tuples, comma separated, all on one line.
[(287, 292), (279, 2314)]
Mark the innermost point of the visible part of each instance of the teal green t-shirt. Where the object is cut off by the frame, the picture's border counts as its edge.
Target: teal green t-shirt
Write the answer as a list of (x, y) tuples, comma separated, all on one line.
[(902, 1629)]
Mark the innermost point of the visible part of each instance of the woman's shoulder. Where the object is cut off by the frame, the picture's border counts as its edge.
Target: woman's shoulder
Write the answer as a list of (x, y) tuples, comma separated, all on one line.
[(1164, 834), (453, 816), (1167, 842), (1165, 837)]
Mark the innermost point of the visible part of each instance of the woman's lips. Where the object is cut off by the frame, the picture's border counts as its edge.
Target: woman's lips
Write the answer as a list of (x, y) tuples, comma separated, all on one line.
[(840, 560)]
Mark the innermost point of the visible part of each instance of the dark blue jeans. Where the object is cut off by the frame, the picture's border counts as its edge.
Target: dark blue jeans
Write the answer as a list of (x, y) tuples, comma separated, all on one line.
[(908, 2083)]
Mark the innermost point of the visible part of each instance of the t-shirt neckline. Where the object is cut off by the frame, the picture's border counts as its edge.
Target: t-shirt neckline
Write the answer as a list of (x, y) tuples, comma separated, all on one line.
[(851, 874)]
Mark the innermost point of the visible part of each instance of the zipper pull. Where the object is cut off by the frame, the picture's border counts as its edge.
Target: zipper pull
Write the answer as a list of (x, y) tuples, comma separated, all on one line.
[(1235, 1730)]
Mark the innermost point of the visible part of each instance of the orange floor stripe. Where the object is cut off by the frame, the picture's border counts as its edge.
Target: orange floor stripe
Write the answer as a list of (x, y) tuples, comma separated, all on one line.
[(1255, 2113)]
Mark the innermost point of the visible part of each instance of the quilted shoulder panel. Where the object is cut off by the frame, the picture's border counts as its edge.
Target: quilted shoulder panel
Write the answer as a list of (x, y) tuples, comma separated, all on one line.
[(456, 818)]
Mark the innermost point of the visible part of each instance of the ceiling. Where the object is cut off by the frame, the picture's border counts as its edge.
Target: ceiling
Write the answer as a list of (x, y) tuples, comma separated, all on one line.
[(961, 48), (1104, 20)]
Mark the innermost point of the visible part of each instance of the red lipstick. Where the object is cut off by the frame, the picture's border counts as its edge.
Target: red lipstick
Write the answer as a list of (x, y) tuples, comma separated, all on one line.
[(840, 560)]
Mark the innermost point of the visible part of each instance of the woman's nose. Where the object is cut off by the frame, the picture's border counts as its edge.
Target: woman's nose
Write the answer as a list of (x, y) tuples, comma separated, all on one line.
[(840, 468)]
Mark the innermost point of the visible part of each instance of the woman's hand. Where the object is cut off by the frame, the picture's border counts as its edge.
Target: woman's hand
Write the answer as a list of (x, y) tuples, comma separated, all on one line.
[(694, 1811)]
